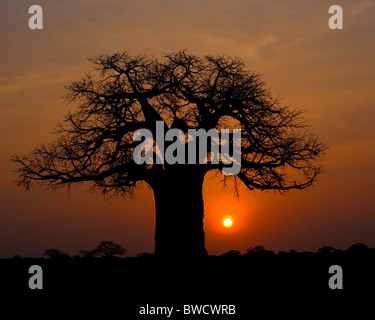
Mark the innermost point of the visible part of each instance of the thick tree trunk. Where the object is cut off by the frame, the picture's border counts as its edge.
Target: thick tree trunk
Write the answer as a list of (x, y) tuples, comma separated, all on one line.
[(179, 214)]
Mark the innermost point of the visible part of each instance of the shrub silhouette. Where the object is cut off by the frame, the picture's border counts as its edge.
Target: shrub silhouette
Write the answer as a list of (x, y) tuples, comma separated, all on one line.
[(358, 247), (55, 253), (256, 249), (326, 249), (232, 253), (108, 249), (87, 253)]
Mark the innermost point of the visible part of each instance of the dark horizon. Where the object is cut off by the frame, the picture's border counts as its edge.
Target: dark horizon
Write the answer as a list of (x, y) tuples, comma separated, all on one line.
[(327, 249)]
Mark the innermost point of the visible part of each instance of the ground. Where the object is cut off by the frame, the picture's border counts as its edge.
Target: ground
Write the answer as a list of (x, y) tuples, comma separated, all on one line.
[(262, 284)]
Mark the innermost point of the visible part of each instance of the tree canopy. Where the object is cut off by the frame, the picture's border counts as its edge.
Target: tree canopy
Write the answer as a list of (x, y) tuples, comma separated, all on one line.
[(124, 93)]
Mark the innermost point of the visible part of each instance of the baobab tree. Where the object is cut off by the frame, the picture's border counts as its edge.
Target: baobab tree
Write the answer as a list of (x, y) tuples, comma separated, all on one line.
[(125, 93)]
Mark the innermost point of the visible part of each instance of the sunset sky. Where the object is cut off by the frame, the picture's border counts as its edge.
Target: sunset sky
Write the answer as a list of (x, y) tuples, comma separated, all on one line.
[(328, 73)]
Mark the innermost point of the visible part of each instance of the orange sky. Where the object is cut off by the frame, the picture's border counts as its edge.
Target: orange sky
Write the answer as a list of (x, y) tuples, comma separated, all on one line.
[(330, 74)]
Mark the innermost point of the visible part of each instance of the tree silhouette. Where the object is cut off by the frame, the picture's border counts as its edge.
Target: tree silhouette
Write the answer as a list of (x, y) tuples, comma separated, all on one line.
[(54, 253), (358, 247), (326, 249), (232, 253), (87, 253), (256, 249), (124, 93), (109, 249)]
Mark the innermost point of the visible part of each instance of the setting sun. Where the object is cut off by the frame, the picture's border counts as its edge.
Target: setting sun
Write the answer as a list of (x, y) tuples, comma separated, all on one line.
[(227, 223)]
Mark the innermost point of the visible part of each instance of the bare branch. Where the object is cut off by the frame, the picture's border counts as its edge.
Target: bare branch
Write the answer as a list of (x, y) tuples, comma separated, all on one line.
[(124, 93)]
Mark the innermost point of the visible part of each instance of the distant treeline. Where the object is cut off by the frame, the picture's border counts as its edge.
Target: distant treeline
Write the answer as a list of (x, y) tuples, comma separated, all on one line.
[(110, 249)]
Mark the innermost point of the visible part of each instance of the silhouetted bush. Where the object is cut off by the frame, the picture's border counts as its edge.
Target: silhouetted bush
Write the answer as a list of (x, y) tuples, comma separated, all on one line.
[(326, 250), (256, 249), (259, 251), (87, 253), (109, 249), (358, 247), (232, 253), (55, 253)]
